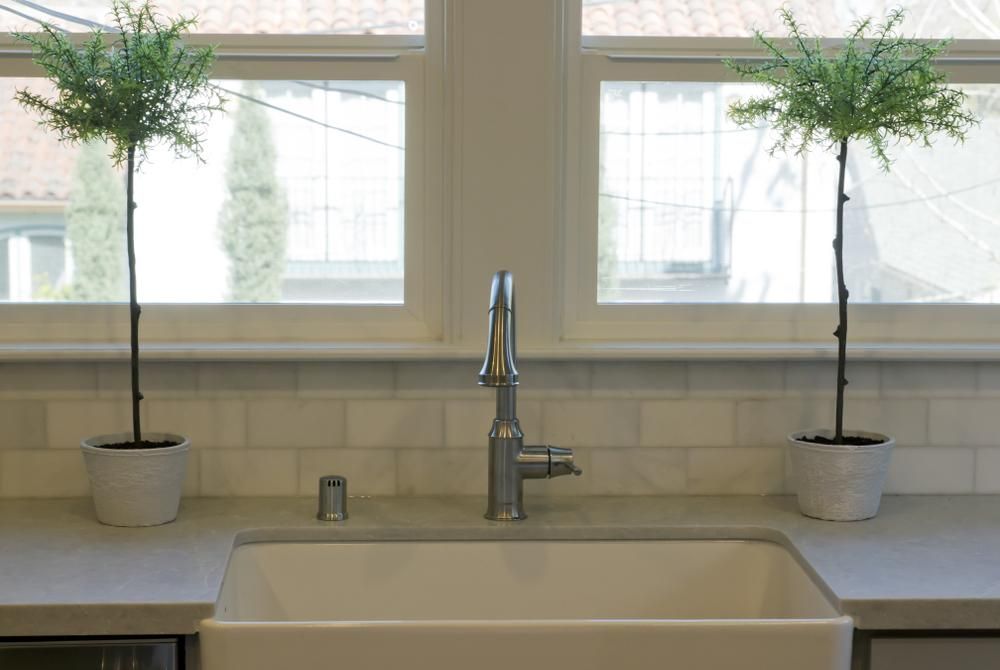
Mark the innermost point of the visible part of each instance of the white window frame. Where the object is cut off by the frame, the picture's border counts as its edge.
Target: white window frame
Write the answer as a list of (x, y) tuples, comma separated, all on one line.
[(740, 329), (415, 60)]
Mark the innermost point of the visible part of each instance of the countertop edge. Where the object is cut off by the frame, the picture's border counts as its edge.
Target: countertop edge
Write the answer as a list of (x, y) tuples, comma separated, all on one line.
[(182, 564)]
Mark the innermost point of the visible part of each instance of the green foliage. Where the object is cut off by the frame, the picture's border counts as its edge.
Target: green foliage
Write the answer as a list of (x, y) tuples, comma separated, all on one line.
[(254, 218), (95, 227), (130, 89), (880, 88)]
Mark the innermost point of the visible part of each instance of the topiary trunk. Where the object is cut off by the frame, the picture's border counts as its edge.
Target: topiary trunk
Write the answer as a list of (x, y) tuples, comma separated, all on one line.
[(842, 294), (133, 301)]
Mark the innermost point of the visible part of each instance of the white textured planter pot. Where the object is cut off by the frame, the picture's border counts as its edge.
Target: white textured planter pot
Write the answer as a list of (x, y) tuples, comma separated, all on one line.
[(136, 487), (839, 482)]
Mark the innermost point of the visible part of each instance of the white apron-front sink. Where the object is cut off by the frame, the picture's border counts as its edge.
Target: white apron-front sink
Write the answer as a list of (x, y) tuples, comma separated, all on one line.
[(526, 605)]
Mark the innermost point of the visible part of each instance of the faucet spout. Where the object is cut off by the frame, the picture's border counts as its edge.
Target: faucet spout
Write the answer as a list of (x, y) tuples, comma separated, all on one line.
[(510, 462), (500, 366)]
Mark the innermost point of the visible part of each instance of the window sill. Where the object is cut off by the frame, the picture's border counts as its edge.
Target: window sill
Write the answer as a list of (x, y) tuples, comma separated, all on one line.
[(281, 351)]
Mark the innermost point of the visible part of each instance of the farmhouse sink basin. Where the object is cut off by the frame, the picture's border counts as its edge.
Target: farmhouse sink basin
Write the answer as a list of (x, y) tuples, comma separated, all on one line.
[(686, 604)]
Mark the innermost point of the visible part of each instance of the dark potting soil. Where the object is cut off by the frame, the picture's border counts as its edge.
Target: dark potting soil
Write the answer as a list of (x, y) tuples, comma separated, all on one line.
[(850, 440), (144, 444)]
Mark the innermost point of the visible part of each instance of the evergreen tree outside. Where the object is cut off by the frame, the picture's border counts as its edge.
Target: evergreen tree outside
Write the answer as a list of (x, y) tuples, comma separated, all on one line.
[(254, 218), (95, 227)]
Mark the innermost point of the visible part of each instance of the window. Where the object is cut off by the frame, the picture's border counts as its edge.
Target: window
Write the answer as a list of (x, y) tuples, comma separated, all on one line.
[(324, 148), (32, 263), (692, 209), (581, 144), (688, 224)]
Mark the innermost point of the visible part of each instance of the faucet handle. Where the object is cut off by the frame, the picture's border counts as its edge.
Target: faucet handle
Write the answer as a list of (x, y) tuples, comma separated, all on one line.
[(561, 462)]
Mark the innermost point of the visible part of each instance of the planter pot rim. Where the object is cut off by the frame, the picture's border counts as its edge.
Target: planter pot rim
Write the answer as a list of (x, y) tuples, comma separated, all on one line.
[(796, 438), (95, 444)]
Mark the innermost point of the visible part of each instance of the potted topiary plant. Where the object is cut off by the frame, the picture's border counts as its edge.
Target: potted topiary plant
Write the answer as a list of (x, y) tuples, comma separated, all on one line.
[(880, 89), (132, 89)]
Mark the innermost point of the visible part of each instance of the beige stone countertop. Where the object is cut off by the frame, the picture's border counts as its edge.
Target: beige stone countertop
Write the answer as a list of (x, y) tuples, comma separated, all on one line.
[(926, 562)]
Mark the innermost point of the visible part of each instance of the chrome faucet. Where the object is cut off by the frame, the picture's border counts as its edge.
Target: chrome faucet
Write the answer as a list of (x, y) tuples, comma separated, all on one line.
[(510, 461)]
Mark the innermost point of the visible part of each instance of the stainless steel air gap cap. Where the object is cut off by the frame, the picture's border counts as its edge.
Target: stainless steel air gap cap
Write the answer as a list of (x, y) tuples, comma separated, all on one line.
[(332, 498)]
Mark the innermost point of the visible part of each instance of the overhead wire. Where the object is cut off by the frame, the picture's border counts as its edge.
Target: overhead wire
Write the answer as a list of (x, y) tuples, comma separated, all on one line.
[(242, 96), (823, 210), (13, 11)]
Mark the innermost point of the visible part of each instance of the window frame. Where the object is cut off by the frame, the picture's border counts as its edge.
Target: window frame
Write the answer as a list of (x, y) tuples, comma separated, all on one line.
[(414, 59), (503, 189), (735, 327)]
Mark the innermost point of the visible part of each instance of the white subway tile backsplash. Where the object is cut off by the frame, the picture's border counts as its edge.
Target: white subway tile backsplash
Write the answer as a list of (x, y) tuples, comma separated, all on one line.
[(639, 379), (208, 423), (290, 423), (639, 471), (988, 470), (247, 379), (395, 423), (819, 378), (988, 378), (69, 421), (906, 420), (687, 423), (739, 380), (637, 426), (969, 422), (467, 423), (66, 380), (23, 424), (422, 472), (931, 470), (156, 379), (929, 379), (591, 423), (554, 379), (734, 471), (334, 379), (369, 472), (43, 473), (249, 472), (767, 423), (452, 379)]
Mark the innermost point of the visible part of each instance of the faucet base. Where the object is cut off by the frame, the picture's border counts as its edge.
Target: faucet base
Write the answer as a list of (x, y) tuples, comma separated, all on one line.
[(506, 517), (506, 514)]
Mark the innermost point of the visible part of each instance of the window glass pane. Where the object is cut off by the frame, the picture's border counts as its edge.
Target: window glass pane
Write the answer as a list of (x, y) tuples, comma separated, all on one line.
[(4, 269), (300, 199), (48, 266), (693, 209), (298, 17), (831, 18)]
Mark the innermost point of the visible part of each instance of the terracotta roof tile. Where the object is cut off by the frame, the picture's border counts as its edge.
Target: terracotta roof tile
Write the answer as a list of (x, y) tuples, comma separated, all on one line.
[(33, 163), (265, 16), (706, 18)]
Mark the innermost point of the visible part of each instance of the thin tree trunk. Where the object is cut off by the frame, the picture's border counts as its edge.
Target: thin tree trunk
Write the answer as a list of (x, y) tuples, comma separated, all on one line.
[(842, 294), (134, 309)]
